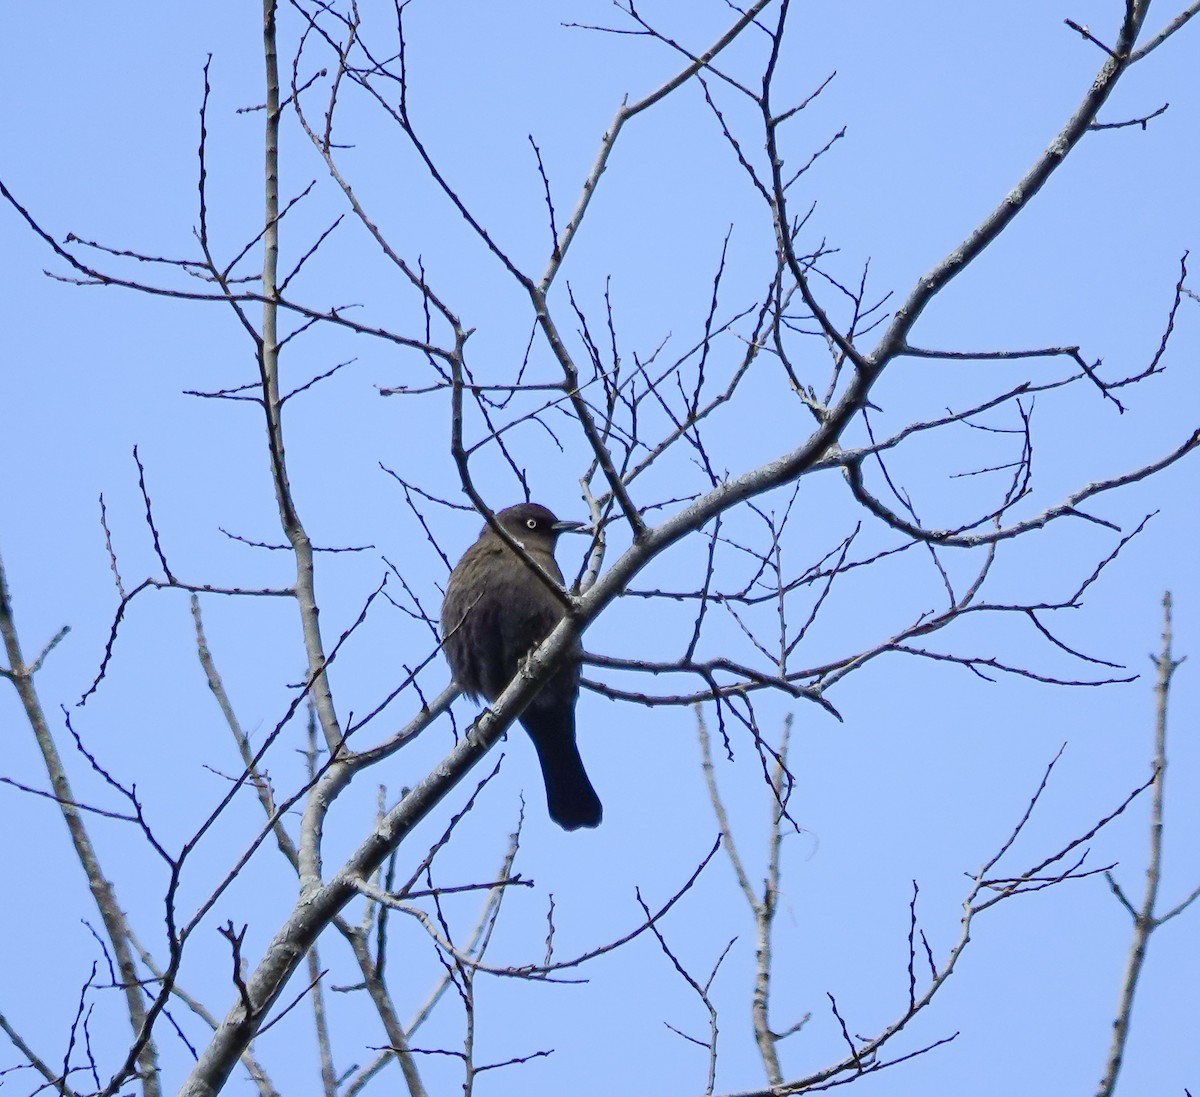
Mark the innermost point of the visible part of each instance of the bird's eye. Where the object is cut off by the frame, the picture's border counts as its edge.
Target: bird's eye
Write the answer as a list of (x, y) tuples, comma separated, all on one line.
[(531, 523)]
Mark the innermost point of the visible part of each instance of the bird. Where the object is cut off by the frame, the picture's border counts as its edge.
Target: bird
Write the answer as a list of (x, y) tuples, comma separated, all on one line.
[(495, 613)]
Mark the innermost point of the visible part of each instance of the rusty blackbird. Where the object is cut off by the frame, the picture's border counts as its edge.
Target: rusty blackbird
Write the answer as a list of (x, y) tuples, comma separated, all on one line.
[(496, 611)]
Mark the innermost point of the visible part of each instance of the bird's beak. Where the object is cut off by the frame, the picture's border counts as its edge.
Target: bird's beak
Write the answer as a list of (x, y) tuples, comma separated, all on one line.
[(569, 527)]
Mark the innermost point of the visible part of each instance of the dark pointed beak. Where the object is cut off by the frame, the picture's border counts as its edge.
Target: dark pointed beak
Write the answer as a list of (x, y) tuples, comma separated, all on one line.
[(569, 527)]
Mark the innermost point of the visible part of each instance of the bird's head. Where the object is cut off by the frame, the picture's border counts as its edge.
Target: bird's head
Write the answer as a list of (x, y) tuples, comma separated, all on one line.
[(531, 522)]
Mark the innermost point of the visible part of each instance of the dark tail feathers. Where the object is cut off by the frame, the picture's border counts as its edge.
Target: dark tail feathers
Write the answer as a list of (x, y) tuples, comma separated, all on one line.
[(570, 798)]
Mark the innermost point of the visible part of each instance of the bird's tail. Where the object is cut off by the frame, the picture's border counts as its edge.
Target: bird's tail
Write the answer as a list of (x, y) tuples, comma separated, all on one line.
[(570, 798)]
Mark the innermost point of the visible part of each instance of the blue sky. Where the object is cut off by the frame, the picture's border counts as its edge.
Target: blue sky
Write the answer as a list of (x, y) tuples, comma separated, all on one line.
[(944, 106)]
